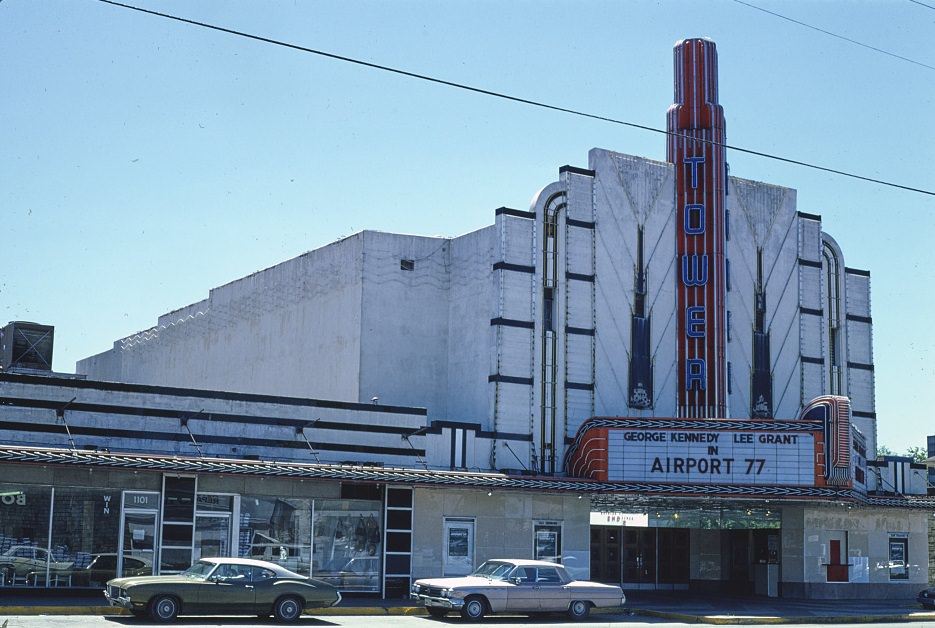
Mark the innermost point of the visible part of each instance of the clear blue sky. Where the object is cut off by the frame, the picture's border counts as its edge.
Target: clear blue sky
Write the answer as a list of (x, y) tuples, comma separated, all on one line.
[(144, 161)]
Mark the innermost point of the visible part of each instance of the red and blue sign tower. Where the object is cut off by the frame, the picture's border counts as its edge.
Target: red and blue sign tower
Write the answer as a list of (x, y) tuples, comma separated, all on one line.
[(697, 133)]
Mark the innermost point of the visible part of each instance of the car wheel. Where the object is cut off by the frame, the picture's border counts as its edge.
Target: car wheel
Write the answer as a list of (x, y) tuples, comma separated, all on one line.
[(436, 612), (164, 608), (288, 608), (474, 609), (579, 609)]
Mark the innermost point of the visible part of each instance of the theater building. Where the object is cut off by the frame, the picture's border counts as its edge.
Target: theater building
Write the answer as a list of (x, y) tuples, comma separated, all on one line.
[(658, 373)]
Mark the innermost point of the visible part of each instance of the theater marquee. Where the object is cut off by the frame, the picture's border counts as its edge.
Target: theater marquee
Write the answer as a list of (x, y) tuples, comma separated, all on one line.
[(732, 457), (810, 451)]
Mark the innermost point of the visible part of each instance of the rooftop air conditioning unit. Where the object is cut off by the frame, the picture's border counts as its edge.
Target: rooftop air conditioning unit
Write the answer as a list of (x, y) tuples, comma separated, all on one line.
[(26, 346)]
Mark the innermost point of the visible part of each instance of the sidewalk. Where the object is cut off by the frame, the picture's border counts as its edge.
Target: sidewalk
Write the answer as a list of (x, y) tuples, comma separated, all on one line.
[(673, 605)]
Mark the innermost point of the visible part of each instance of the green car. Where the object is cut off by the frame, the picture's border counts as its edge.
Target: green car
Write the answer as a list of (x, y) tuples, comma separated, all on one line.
[(222, 586)]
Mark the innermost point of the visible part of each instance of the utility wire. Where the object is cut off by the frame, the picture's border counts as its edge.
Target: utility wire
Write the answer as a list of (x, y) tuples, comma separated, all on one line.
[(928, 6), (842, 37), (516, 99)]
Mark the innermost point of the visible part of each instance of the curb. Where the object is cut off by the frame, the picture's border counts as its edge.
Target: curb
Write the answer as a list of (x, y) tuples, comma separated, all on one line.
[(735, 620), (723, 620)]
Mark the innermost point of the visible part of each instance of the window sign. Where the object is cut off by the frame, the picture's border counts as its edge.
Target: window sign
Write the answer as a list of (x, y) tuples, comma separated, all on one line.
[(548, 541), (899, 553), (458, 547)]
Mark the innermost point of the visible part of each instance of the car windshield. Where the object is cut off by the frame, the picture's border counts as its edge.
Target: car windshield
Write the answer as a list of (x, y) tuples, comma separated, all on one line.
[(199, 570), (493, 570)]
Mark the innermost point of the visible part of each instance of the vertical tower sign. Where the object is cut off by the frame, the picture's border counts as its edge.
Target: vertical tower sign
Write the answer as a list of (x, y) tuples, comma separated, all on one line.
[(696, 148)]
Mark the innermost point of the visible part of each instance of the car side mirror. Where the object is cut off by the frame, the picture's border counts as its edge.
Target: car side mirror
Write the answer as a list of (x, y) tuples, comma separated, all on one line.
[(516, 579)]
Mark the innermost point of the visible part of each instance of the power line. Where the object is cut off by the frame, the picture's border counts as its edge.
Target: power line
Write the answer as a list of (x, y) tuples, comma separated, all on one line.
[(508, 97), (842, 37), (928, 6)]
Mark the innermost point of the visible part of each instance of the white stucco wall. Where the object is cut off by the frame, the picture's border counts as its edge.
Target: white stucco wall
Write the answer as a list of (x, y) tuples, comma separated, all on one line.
[(763, 218), (292, 329), (629, 192), (470, 335), (404, 320)]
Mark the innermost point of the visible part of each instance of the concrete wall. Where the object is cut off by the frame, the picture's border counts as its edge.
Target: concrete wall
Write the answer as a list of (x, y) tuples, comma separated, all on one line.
[(470, 341), (503, 526), (403, 335), (78, 414), (293, 329), (865, 534)]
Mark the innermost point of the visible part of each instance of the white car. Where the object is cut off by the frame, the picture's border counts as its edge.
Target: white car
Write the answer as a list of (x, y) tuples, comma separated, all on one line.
[(23, 560), (515, 586)]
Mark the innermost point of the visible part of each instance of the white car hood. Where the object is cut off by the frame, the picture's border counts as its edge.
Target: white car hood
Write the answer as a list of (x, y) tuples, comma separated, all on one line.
[(464, 581)]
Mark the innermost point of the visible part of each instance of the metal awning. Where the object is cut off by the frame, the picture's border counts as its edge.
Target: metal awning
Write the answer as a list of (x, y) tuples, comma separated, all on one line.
[(609, 495)]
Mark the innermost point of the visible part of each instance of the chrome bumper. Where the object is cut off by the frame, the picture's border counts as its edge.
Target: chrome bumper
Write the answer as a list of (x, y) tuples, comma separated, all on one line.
[(439, 602), (120, 602)]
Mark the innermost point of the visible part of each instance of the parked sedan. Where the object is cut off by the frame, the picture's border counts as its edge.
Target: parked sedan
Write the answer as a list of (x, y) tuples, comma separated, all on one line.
[(515, 586), (223, 586), (103, 567), (360, 573), (22, 560), (927, 598)]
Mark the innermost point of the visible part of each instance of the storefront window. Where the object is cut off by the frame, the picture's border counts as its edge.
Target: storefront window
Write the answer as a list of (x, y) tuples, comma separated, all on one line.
[(24, 532), (278, 530), (348, 544), (85, 530), (213, 525), (82, 549)]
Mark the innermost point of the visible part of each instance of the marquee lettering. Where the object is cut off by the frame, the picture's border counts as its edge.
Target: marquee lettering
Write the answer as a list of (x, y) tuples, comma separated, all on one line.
[(694, 162), (695, 374), (696, 149), (695, 321), (695, 274), (694, 270), (677, 464), (694, 219)]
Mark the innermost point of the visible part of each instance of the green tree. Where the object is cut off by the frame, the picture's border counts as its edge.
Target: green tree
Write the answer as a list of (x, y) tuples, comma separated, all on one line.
[(883, 450), (918, 454)]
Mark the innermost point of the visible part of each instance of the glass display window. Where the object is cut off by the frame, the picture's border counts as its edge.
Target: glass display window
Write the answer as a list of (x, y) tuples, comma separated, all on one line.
[(278, 530), (85, 532), (24, 533), (81, 550), (348, 544)]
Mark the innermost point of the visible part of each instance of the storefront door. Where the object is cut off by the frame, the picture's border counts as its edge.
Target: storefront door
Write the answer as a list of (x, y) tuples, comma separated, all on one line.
[(605, 553), (655, 558), (138, 525), (639, 558)]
